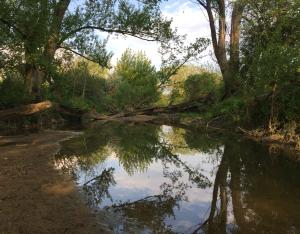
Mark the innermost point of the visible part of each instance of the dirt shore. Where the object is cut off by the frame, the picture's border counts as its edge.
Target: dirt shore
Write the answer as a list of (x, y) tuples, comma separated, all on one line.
[(34, 196)]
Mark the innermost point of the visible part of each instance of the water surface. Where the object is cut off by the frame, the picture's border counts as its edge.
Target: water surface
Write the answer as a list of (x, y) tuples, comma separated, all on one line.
[(162, 179)]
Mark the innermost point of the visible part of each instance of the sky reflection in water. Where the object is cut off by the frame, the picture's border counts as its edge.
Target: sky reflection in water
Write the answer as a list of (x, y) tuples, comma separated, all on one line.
[(160, 179)]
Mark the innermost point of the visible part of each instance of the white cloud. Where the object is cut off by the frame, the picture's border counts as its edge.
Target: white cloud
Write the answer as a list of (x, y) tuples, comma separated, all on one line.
[(189, 19)]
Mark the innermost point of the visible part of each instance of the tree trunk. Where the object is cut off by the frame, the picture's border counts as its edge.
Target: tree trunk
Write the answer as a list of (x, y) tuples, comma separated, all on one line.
[(33, 80), (34, 76), (229, 66), (235, 166), (230, 83)]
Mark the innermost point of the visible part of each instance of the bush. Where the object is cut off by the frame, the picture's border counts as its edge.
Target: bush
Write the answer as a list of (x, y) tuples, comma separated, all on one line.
[(80, 87), (12, 91), (201, 84), (175, 86), (233, 108)]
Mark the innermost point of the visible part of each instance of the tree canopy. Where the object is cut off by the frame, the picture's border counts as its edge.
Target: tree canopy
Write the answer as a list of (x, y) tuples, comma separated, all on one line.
[(35, 30)]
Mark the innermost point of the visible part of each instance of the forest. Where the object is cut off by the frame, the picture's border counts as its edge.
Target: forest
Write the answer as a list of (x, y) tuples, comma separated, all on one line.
[(233, 89)]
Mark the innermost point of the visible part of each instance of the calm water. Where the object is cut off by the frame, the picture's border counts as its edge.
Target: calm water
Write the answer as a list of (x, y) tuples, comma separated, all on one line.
[(161, 179)]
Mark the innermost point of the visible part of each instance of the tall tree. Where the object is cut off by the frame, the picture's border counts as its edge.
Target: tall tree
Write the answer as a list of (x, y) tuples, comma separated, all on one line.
[(218, 12), (38, 28)]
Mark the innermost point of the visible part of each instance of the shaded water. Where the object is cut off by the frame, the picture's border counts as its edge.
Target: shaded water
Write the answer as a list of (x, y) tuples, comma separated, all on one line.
[(161, 179)]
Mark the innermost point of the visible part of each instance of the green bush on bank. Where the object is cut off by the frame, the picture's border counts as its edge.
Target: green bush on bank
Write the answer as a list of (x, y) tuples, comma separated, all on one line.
[(232, 108), (201, 84), (12, 91)]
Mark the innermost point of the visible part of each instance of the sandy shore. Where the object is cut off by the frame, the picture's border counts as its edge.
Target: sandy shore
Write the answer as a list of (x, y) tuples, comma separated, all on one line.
[(34, 196)]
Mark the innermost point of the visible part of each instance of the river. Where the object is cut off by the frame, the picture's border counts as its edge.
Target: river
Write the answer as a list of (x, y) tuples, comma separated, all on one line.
[(163, 179)]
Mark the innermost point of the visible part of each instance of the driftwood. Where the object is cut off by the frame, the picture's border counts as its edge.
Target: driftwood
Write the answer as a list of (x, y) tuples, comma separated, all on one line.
[(25, 110)]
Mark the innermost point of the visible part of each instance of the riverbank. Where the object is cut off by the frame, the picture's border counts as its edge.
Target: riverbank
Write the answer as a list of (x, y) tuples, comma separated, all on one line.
[(34, 196), (286, 140), (206, 117)]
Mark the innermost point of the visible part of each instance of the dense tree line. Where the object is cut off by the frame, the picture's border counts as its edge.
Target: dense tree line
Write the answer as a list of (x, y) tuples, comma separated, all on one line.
[(50, 50)]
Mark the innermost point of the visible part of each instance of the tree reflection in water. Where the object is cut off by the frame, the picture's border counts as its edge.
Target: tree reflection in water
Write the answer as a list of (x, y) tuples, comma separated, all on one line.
[(242, 183), (240, 180), (96, 189)]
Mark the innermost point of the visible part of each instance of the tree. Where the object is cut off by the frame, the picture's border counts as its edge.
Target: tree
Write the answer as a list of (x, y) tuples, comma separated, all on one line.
[(229, 63), (270, 58), (35, 29), (138, 81)]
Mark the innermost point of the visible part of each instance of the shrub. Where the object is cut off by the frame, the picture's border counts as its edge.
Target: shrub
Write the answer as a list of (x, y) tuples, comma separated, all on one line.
[(81, 87), (201, 84), (12, 91)]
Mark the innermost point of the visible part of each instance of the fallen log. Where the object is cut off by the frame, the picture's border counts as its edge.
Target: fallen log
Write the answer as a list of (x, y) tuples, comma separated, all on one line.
[(25, 110), (72, 113), (198, 105)]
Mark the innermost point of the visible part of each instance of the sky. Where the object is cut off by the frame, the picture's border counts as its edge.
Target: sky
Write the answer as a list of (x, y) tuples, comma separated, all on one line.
[(187, 17)]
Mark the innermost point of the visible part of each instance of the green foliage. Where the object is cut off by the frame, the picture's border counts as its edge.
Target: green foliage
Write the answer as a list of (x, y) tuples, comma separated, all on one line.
[(191, 82), (82, 86), (79, 103), (33, 30), (12, 91), (271, 49), (234, 108), (137, 81), (201, 84), (29, 25), (176, 83)]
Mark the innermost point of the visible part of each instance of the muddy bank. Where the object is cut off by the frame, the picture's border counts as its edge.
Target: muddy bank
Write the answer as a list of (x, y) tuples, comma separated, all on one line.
[(34, 196)]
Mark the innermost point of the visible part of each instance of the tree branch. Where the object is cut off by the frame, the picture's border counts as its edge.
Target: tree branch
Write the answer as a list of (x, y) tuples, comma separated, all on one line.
[(79, 54), (202, 3), (212, 26), (175, 70), (108, 30)]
